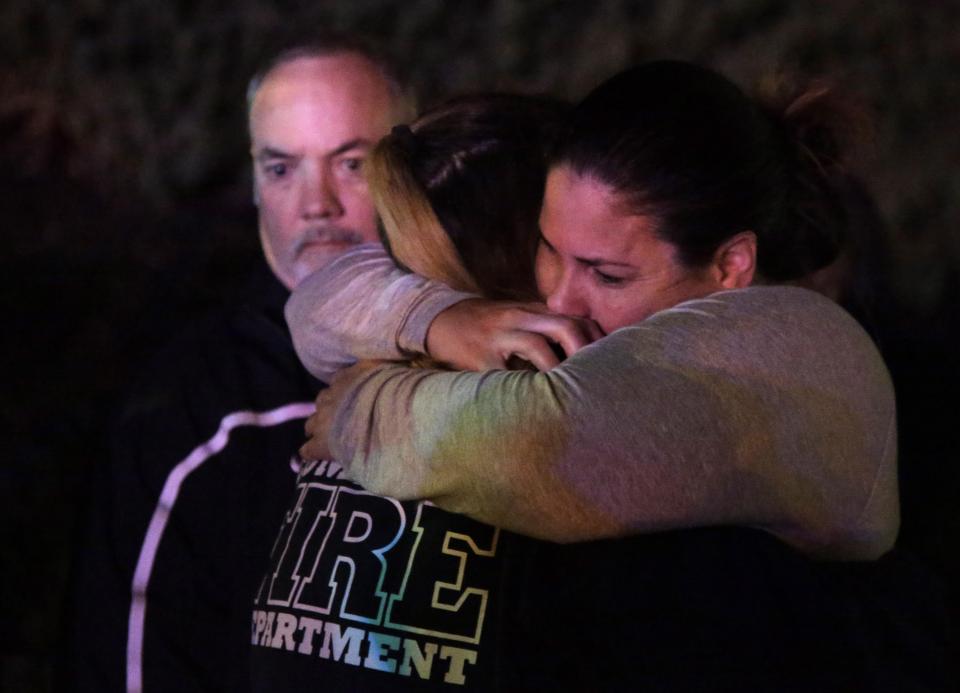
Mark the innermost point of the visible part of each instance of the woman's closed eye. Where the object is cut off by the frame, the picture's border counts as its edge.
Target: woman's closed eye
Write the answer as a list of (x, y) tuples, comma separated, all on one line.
[(607, 279)]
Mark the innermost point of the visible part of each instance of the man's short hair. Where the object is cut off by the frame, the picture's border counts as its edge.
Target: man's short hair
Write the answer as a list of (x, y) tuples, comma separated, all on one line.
[(330, 44)]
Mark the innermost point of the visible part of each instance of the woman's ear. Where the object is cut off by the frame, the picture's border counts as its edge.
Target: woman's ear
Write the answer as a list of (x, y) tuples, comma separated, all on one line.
[(735, 261)]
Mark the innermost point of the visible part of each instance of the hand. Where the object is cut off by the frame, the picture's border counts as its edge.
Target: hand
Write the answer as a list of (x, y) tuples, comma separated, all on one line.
[(318, 425), (478, 335)]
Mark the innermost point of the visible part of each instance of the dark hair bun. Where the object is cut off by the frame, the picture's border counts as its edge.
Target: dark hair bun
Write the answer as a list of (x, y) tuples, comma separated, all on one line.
[(686, 147), (824, 131)]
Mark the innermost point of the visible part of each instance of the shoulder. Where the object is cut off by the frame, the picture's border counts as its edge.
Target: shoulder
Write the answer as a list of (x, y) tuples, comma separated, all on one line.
[(787, 304), (775, 305), (808, 327), (220, 350), (235, 360), (787, 342), (768, 322)]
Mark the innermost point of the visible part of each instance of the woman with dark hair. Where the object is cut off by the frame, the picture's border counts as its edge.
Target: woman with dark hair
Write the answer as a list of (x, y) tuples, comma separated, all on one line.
[(676, 212), (714, 399)]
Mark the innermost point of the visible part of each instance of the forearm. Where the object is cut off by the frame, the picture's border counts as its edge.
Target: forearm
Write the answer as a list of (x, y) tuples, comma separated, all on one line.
[(667, 424), (527, 451), (361, 306), (468, 454)]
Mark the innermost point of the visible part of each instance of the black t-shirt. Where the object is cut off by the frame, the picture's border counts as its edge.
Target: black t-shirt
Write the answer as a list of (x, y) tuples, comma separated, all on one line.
[(366, 593)]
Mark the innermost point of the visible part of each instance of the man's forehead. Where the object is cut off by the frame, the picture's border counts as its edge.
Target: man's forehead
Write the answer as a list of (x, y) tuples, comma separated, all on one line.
[(334, 78), (339, 97)]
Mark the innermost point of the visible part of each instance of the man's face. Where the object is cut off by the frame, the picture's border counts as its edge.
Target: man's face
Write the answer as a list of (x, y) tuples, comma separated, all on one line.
[(312, 123), (598, 260)]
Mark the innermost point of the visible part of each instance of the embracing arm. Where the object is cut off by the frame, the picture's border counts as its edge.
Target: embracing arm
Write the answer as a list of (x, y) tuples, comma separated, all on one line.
[(362, 305), (691, 418)]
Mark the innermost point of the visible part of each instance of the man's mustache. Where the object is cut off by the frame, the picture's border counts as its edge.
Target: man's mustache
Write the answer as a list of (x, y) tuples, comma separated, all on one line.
[(327, 234)]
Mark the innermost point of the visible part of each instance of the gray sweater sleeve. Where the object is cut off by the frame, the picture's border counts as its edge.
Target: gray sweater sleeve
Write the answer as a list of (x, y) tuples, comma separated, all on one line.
[(361, 306), (766, 407)]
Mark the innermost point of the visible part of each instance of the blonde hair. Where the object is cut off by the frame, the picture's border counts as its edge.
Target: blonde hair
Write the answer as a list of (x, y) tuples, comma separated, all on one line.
[(459, 191), (413, 232)]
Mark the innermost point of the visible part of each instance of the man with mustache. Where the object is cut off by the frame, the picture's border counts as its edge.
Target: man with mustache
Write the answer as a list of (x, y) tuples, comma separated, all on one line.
[(312, 123), (204, 448)]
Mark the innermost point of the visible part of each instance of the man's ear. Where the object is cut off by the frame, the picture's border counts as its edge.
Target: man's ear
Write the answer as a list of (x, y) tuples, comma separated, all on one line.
[(735, 261)]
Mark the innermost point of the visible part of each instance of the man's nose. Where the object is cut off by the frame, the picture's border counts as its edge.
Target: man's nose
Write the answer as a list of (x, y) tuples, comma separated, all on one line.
[(319, 198)]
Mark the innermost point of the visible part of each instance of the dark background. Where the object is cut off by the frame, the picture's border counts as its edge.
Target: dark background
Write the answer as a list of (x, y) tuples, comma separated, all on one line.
[(125, 207)]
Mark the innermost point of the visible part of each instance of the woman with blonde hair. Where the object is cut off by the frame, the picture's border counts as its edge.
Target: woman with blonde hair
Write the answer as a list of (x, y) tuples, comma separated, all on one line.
[(367, 593)]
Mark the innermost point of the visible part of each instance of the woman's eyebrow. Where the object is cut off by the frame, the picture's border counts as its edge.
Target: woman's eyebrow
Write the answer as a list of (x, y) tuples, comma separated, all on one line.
[(594, 262), (543, 239), (587, 261)]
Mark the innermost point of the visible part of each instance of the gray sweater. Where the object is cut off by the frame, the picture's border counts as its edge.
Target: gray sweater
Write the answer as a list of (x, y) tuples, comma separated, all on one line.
[(767, 407)]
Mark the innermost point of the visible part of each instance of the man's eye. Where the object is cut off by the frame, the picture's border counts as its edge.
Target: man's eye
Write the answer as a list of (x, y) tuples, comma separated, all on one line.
[(352, 164), (276, 170)]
